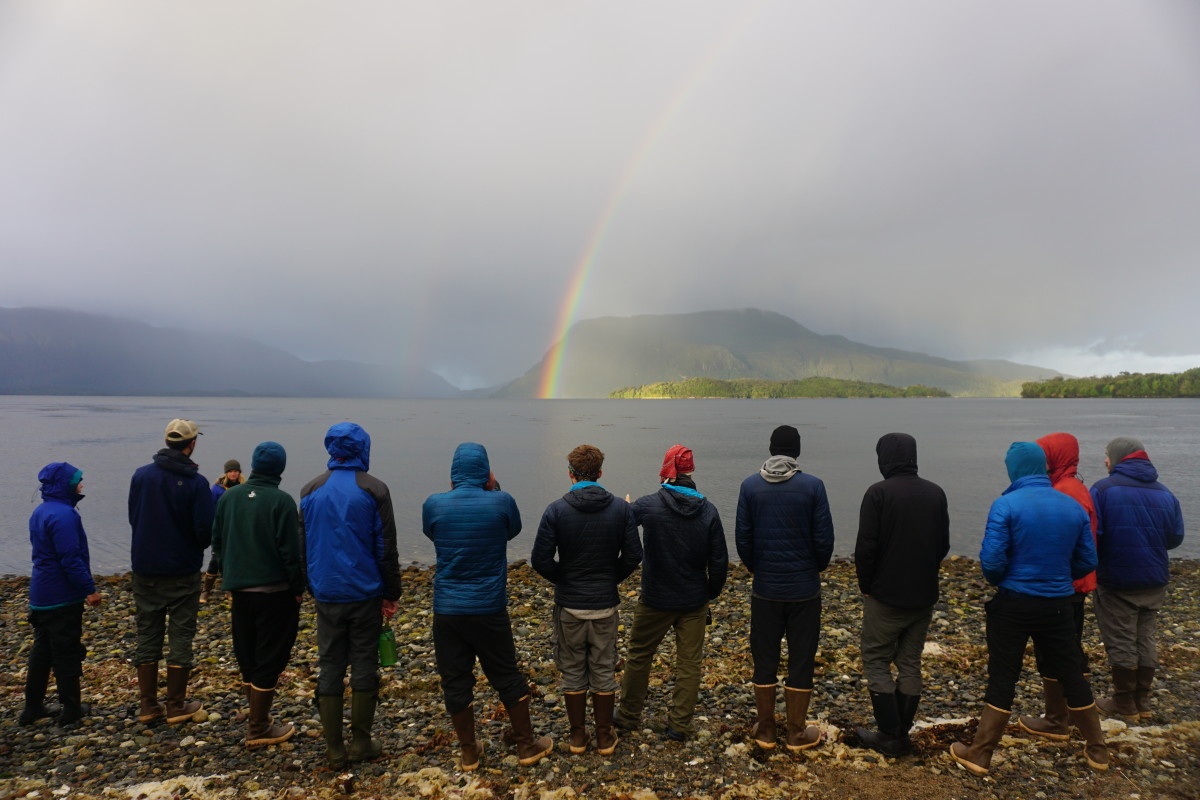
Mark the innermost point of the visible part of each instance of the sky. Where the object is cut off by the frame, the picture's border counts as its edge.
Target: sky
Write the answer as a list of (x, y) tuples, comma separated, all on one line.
[(453, 183)]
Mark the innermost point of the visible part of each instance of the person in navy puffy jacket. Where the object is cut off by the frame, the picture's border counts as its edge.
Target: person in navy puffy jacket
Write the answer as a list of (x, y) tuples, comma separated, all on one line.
[(1140, 520), (61, 582)]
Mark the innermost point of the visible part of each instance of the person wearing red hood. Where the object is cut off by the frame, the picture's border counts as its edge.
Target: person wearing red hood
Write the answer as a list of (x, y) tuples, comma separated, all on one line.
[(1062, 464), (1140, 520)]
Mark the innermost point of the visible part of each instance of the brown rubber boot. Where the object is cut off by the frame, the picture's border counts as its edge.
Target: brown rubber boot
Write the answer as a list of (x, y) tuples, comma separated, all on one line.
[(529, 749), (1055, 724), (1087, 720), (464, 728), (763, 733), (602, 714), (577, 718), (1122, 703), (800, 735), (260, 728), (149, 709), (1141, 694), (210, 583), (179, 708), (977, 757)]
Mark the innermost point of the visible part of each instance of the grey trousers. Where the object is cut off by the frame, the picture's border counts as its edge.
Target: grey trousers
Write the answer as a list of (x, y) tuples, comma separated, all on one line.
[(348, 636), (586, 651), (166, 609), (1128, 621), (893, 635)]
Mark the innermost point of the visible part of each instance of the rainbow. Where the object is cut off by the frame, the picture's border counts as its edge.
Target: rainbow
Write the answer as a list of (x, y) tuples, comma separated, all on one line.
[(553, 362)]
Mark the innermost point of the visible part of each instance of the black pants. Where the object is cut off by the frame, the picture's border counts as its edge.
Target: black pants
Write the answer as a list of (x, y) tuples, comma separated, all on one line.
[(57, 641), (348, 636), (770, 621), (1012, 619), (264, 630), (1077, 611), (460, 639)]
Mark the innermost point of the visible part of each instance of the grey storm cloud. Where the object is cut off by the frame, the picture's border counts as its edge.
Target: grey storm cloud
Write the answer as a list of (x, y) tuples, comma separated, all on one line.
[(426, 182)]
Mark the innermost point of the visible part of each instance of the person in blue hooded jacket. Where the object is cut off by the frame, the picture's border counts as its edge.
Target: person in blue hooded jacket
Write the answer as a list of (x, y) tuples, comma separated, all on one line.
[(1037, 541), (1140, 520), (61, 582), (470, 527), (348, 532)]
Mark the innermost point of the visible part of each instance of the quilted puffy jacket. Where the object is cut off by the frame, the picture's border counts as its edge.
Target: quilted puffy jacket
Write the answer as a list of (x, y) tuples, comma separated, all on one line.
[(61, 563), (1140, 520)]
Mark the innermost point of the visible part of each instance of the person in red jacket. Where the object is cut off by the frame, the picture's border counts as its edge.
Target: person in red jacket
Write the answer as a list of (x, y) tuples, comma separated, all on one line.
[(1062, 464)]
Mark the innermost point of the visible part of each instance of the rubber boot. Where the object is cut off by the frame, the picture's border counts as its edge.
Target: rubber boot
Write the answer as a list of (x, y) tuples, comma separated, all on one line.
[(887, 738), (37, 679), (69, 693), (906, 705), (149, 709), (529, 749), (464, 728), (260, 728), (577, 718), (179, 708), (602, 715), (1141, 694), (210, 583), (1122, 703), (977, 757), (1055, 724), (362, 717), (1087, 720), (763, 732), (800, 735), (330, 708)]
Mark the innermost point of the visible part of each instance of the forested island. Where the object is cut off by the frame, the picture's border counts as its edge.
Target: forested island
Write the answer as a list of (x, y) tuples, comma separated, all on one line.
[(1127, 384), (749, 388)]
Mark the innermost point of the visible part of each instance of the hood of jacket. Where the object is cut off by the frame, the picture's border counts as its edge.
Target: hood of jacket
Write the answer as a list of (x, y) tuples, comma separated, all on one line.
[(1062, 455), (682, 500), (778, 469), (1139, 469), (897, 454), (1025, 459), (349, 447), (588, 497), (56, 482), (470, 466), (176, 462)]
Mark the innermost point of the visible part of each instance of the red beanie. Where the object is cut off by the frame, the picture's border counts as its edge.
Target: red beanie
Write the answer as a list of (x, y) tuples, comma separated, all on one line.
[(678, 459)]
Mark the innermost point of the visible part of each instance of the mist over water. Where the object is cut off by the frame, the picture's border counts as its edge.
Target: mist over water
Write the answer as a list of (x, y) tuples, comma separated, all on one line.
[(961, 445)]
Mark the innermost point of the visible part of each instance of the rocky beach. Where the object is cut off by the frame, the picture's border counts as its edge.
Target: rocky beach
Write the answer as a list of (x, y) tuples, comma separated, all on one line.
[(111, 755)]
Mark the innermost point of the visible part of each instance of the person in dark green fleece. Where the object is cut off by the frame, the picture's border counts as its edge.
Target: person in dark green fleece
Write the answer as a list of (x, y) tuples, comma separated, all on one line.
[(256, 548)]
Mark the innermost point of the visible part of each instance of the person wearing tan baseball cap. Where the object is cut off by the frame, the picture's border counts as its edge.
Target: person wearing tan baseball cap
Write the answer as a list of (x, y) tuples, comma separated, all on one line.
[(171, 515)]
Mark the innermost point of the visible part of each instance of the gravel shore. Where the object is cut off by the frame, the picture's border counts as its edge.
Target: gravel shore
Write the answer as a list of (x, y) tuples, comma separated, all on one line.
[(111, 755)]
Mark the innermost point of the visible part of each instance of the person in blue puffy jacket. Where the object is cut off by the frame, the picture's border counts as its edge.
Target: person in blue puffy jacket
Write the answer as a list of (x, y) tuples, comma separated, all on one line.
[(470, 527), (1140, 520), (1038, 540), (61, 582)]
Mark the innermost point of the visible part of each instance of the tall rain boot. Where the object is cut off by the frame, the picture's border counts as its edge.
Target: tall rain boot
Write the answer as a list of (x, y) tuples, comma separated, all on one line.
[(1141, 694), (179, 708), (260, 728), (1087, 720), (210, 583), (906, 705), (1055, 724), (529, 749), (577, 719), (887, 738), (69, 693), (1122, 703), (37, 679), (602, 715), (330, 708), (362, 717), (149, 709), (800, 735), (468, 748), (977, 757), (763, 733)]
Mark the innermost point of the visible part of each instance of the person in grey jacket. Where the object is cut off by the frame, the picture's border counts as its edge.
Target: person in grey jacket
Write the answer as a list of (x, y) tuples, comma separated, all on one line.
[(684, 565)]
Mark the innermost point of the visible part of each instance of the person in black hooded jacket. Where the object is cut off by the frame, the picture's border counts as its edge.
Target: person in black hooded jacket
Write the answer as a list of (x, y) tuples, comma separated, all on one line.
[(586, 544), (903, 535), (684, 566)]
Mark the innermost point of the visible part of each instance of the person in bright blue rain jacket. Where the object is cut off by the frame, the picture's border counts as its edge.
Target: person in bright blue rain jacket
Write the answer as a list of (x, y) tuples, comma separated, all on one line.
[(1037, 541), (60, 583)]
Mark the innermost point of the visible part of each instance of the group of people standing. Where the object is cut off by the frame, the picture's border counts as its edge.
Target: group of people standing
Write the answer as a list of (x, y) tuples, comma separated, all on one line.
[(1044, 540)]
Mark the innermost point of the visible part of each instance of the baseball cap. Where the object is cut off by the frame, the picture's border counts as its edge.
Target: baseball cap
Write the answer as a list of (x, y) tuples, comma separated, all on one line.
[(182, 430)]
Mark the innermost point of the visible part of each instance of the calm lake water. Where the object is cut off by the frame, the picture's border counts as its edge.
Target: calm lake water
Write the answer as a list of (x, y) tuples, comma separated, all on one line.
[(961, 445)]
